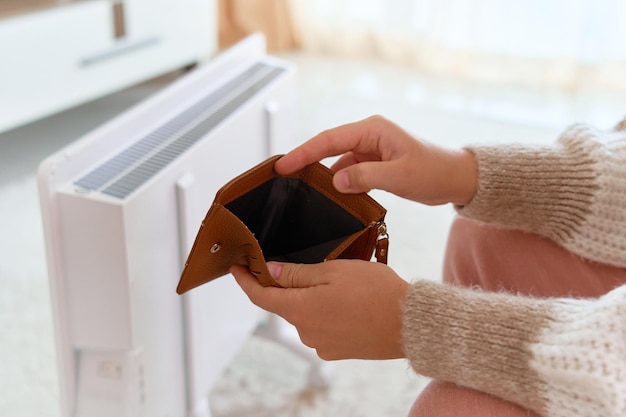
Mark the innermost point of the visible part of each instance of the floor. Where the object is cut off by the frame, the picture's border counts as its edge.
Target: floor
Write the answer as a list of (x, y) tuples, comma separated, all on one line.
[(264, 379)]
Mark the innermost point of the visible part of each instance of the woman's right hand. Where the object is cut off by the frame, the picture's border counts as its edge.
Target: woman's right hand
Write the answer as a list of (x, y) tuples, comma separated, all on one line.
[(378, 154)]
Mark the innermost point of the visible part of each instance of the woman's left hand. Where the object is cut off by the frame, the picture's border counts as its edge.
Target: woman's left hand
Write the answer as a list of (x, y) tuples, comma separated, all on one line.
[(345, 309)]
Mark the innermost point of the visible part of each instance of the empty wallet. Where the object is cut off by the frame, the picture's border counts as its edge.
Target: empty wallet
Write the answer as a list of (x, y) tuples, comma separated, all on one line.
[(261, 216)]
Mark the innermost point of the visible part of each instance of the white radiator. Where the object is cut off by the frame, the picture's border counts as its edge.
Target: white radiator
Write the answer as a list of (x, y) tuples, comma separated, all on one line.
[(121, 208)]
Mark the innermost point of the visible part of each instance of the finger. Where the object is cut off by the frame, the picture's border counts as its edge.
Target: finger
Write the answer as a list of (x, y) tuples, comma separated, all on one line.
[(351, 158), (246, 280), (352, 136), (290, 275), (365, 176), (268, 298)]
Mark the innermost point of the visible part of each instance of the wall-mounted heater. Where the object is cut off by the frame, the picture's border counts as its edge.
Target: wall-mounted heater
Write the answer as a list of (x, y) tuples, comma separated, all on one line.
[(121, 208)]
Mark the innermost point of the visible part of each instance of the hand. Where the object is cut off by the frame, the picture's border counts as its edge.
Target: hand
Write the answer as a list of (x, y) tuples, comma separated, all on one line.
[(345, 309), (376, 153)]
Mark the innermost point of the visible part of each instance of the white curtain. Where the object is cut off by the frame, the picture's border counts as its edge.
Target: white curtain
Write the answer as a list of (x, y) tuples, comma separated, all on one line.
[(568, 44)]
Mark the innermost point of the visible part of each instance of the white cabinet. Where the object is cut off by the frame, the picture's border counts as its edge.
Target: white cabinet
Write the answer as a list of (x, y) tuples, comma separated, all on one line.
[(62, 56)]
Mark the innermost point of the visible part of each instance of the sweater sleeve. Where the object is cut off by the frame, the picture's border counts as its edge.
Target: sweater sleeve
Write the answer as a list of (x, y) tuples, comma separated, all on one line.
[(573, 193), (557, 357)]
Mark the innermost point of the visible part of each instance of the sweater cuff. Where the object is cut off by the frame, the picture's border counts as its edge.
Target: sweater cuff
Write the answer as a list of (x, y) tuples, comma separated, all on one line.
[(557, 357), (544, 190), (475, 339)]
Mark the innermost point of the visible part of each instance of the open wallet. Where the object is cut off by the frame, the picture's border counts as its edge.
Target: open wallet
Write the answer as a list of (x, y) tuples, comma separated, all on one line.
[(261, 216)]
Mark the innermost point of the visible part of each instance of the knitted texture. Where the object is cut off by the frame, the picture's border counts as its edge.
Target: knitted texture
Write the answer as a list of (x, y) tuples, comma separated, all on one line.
[(573, 193), (465, 336), (557, 357), (580, 356)]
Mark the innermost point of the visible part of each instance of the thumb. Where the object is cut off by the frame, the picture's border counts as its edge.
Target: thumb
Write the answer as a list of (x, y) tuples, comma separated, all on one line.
[(290, 275), (363, 177)]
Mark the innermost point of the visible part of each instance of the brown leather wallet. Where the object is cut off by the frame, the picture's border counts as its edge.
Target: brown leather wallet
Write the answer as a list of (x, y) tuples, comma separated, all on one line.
[(261, 216)]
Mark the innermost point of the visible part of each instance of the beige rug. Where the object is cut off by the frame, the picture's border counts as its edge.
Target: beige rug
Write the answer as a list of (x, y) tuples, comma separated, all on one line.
[(265, 380)]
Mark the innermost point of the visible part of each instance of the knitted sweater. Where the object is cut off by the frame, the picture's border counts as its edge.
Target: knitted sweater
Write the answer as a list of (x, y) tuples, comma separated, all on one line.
[(557, 357)]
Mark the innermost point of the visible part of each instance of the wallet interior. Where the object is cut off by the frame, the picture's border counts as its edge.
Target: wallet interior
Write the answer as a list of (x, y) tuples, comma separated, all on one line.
[(292, 221)]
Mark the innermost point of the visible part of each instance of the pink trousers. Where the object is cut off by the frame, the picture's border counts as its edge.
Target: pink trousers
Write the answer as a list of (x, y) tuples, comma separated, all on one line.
[(506, 260)]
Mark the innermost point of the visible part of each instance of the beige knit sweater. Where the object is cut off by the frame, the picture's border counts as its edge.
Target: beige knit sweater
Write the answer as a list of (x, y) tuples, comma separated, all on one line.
[(557, 357)]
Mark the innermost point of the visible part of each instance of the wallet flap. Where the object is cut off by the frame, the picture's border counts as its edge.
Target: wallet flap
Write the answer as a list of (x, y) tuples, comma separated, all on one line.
[(222, 241)]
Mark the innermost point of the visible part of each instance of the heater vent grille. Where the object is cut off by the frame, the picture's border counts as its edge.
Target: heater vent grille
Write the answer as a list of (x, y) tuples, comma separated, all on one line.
[(125, 172)]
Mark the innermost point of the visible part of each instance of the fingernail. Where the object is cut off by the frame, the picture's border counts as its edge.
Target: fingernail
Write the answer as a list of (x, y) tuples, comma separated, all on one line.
[(275, 269), (342, 181)]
